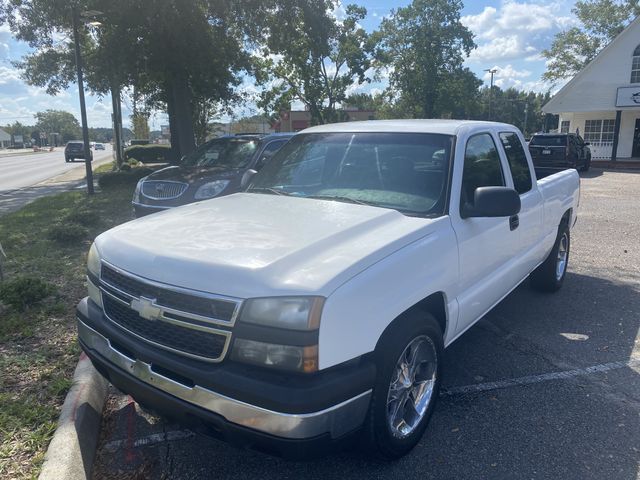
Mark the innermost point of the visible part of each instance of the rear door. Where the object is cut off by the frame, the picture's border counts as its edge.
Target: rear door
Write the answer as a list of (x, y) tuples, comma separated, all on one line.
[(486, 246), (530, 218)]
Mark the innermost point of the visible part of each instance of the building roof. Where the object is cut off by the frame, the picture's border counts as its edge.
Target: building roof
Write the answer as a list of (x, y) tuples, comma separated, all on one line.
[(446, 127), (4, 136), (594, 87)]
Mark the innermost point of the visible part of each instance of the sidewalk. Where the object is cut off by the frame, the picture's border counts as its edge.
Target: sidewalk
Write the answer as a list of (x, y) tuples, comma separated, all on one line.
[(16, 199), (25, 151)]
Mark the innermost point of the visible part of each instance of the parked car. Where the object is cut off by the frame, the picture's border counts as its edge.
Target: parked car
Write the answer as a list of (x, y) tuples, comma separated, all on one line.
[(559, 151), (75, 149), (315, 306), (216, 168), (98, 146)]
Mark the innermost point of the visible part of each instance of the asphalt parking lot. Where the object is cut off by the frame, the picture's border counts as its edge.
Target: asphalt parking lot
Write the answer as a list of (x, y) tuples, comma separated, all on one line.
[(545, 386)]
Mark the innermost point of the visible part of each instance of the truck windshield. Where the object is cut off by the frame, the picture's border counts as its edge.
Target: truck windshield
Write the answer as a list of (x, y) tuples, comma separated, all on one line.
[(549, 140), (402, 171), (229, 152)]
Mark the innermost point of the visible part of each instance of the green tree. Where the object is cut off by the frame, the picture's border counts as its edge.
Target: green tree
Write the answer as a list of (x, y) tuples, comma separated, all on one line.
[(17, 128), (140, 125), (313, 57), (171, 51), (58, 121), (600, 22), (423, 47)]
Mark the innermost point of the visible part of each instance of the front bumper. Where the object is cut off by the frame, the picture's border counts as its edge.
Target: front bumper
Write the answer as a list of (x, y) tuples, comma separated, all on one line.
[(235, 420)]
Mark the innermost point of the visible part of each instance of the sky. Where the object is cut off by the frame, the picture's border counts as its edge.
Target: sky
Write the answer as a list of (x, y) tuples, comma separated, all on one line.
[(510, 35)]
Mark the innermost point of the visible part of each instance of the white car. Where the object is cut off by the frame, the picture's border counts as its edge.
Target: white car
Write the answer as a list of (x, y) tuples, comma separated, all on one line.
[(315, 306)]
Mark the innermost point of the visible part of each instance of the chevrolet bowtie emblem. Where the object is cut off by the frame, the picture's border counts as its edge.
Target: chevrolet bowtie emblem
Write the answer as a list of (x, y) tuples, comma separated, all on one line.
[(146, 308)]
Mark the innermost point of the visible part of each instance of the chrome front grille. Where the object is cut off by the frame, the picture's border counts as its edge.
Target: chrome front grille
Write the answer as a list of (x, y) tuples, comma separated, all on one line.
[(163, 190), (186, 322)]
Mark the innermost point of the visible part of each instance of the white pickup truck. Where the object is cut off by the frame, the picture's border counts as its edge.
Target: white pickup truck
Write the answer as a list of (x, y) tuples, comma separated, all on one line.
[(314, 307)]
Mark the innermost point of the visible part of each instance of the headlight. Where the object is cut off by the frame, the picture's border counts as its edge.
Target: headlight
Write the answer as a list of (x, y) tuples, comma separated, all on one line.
[(136, 192), (292, 313), (93, 277), (285, 357), (211, 189), (93, 261)]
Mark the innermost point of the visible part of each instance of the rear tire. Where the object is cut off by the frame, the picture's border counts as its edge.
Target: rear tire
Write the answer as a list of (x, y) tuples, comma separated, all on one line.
[(549, 276), (409, 370)]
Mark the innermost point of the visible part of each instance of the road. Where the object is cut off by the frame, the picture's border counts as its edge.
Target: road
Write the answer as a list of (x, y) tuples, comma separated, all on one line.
[(20, 171), (545, 386)]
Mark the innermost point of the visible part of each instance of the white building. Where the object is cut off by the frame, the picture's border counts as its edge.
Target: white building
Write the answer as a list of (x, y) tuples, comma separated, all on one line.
[(602, 102), (5, 139)]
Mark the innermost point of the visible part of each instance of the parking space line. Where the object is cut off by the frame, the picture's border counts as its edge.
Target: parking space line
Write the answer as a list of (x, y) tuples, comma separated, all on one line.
[(545, 377), (152, 439)]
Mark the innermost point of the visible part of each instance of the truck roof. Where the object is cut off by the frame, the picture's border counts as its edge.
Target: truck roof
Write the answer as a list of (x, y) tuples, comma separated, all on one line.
[(446, 127)]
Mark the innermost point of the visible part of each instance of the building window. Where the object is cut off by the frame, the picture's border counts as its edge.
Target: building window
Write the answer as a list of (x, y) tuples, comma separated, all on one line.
[(564, 126), (608, 127), (635, 66), (599, 131)]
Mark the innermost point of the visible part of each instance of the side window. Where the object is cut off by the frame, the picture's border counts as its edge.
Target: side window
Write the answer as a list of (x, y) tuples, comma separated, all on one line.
[(481, 166), (517, 159), (269, 150)]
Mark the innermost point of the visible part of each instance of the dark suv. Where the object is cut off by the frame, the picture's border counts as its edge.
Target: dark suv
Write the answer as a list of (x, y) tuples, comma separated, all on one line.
[(75, 149), (215, 169), (559, 151)]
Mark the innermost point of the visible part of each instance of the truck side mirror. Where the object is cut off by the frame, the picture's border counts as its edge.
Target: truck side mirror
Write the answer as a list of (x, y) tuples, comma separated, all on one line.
[(246, 178), (492, 202)]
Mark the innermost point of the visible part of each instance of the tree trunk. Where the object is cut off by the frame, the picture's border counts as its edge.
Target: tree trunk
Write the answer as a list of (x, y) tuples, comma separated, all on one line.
[(173, 124), (181, 95), (117, 124)]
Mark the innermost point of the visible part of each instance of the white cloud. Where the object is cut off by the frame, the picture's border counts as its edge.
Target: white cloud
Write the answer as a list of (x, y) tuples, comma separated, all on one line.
[(515, 29), (508, 76)]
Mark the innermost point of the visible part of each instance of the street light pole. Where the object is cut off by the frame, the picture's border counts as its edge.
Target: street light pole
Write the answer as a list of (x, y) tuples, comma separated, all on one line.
[(83, 108), (492, 71)]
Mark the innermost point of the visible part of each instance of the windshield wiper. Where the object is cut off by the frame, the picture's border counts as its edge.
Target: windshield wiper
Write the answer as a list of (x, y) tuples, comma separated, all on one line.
[(275, 191), (342, 199)]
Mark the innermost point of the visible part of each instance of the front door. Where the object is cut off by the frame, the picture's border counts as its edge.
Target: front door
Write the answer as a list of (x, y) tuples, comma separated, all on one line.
[(635, 152), (487, 246)]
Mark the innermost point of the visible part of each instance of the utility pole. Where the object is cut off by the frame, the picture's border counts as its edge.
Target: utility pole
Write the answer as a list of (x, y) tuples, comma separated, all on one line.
[(83, 108), (492, 71), (526, 117)]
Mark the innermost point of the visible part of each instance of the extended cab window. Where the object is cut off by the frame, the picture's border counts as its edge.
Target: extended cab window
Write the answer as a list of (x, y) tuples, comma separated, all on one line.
[(481, 166), (517, 161)]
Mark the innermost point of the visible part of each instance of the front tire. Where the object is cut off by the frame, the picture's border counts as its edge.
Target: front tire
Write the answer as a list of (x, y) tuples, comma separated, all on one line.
[(587, 165), (409, 366), (549, 276)]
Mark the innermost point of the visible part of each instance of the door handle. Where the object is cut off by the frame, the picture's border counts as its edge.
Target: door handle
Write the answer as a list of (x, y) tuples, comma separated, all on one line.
[(514, 222)]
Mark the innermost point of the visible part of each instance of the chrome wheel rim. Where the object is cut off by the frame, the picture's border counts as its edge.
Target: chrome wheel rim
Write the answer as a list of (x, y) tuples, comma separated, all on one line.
[(563, 252), (412, 384)]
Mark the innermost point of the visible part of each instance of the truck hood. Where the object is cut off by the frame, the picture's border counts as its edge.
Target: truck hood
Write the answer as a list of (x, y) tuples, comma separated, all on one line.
[(253, 245)]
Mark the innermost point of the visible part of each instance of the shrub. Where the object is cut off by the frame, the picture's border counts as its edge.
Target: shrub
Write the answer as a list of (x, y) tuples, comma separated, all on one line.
[(150, 153), (68, 233), (123, 178), (23, 292)]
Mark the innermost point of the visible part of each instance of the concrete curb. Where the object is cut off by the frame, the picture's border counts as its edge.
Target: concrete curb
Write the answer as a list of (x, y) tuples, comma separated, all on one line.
[(73, 447)]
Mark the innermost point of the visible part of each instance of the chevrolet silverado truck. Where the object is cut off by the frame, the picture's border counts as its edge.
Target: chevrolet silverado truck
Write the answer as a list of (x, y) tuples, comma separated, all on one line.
[(313, 308)]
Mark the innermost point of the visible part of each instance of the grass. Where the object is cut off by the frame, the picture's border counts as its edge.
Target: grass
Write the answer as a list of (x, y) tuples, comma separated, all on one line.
[(38, 348), (107, 167)]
